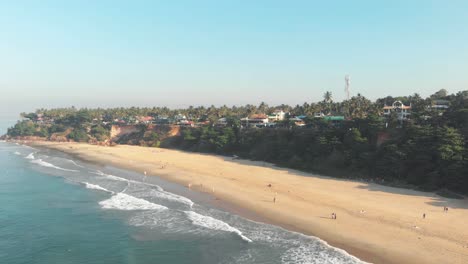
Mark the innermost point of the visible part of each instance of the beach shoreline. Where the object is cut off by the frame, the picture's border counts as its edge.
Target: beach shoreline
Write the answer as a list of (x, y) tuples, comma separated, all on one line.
[(374, 223)]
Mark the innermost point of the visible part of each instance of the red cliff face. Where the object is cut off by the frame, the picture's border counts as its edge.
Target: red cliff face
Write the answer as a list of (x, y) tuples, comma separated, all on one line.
[(118, 131), (164, 131)]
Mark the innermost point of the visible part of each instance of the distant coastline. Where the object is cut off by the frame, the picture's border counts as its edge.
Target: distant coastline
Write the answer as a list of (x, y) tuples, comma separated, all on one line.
[(375, 223)]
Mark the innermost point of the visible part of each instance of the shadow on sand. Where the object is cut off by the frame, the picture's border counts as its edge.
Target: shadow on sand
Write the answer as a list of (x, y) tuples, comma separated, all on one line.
[(436, 200)]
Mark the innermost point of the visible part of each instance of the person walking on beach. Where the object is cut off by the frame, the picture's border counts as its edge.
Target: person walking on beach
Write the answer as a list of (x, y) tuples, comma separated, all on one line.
[(424, 216), (274, 198)]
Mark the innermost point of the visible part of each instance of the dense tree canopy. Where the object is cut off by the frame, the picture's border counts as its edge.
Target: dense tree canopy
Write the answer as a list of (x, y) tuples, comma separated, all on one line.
[(428, 151)]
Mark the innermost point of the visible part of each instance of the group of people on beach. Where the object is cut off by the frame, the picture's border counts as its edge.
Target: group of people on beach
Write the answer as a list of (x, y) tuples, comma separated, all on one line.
[(333, 215)]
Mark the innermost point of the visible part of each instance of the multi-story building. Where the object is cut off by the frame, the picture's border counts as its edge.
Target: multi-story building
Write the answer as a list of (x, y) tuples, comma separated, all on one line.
[(403, 111)]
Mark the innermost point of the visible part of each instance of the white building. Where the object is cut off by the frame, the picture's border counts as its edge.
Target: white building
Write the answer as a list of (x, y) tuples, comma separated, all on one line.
[(440, 104), (277, 115), (254, 120), (319, 115), (403, 111), (180, 117)]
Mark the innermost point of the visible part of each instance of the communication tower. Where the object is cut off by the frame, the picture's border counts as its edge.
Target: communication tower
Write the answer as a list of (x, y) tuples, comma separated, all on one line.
[(347, 83)]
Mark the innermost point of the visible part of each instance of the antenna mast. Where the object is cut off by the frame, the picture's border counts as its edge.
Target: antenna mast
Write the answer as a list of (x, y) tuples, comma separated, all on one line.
[(347, 83)]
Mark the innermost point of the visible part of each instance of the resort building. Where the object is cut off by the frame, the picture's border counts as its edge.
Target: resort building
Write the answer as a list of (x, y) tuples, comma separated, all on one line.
[(180, 117), (162, 120), (403, 111), (222, 122), (319, 115), (297, 121), (144, 119), (440, 105), (256, 120), (277, 115)]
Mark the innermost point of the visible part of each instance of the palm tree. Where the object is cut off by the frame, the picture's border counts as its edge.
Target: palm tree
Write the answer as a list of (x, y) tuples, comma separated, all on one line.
[(328, 99), (263, 108)]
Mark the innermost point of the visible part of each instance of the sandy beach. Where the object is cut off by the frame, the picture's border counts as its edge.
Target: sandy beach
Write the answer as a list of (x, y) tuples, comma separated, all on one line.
[(375, 223)]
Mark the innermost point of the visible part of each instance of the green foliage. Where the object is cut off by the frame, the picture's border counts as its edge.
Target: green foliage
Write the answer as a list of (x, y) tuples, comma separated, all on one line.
[(41, 132), (78, 135), (83, 116), (30, 116), (188, 136), (23, 128), (449, 144), (153, 138), (429, 151), (57, 128), (423, 156), (100, 133)]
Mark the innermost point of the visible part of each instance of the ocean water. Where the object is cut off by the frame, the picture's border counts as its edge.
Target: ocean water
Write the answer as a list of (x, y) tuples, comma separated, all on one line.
[(54, 209)]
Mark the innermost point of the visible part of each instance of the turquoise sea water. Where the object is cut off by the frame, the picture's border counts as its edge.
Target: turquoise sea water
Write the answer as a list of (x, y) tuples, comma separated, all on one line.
[(54, 209)]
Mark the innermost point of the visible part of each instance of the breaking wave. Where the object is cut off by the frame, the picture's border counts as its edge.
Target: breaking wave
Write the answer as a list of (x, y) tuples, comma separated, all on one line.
[(122, 201), (48, 165), (305, 254), (173, 197), (214, 224), (96, 187), (30, 156), (160, 191), (302, 249), (74, 163), (116, 178)]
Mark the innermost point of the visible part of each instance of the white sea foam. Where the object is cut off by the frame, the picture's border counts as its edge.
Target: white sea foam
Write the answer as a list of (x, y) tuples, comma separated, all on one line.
[(74, 163), (160, 191), (168, 221), (214, 224), (49, 165), (112, 177), (302, 248), (98, 172), (116, 178), (174, 197), (311, 253), (17, 153), (30, 156), (95, 187), (122, 201)]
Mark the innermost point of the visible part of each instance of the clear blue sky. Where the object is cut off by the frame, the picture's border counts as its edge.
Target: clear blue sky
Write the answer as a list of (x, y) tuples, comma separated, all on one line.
[(180, 53)]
